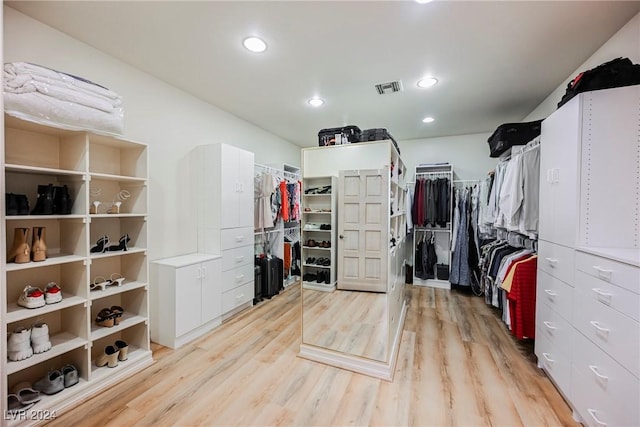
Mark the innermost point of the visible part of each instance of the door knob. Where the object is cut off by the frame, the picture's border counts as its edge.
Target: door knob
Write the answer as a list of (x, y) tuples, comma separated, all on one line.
[(341, 236)]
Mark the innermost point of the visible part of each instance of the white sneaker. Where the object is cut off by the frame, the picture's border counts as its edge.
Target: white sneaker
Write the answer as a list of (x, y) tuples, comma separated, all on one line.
[(31, 297), (19, 345), (40, 338), (52, 293)]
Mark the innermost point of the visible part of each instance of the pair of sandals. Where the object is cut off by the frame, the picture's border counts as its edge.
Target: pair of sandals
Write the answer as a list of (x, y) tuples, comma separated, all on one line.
[(319, 190), (22, 398), (101, 283), (109, 317), (313, 244), (320, 261)]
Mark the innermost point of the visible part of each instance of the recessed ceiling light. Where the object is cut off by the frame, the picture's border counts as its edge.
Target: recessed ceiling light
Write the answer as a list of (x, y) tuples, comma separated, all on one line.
[(315, 101), (423, 1), (254, 44), (428, 120), (427, 82)]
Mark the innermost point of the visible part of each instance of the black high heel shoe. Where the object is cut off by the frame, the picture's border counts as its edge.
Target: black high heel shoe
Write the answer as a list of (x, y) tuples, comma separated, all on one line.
[(102, 245), (122, 246)]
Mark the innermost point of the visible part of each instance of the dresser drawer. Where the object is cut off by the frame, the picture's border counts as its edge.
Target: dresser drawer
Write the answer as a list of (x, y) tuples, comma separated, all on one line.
[(237, 296), (618, 298), (555, 293), (233, 258), (621, 274), (604, 376), (554, 362), (556, 260), (555, 328), (235, 277), (610, 330), (236, 237)]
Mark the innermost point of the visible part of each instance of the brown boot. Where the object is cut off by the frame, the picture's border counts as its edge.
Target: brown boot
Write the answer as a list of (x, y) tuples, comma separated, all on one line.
[(19, 252), (39, 247)]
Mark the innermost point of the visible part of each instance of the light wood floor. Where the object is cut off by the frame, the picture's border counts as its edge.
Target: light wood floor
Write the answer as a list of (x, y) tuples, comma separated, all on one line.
[(457, 366), (351, 322)]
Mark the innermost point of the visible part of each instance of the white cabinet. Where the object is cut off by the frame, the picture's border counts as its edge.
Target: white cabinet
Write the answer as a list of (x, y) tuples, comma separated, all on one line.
[(94, 168), (236, 187), (187, 298)]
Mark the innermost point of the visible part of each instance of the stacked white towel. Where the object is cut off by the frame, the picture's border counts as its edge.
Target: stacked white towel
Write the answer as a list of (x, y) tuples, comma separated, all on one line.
[(51, 97)]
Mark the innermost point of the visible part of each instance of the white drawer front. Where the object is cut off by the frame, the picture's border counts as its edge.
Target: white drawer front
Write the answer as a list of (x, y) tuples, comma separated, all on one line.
[(234, 258), (555, 363), (556, 260), (612, 331), (618, 298), (554, 328), (236, 237), (621, 274), (619, 389), (555, 293), (238, 276), (237, 296)]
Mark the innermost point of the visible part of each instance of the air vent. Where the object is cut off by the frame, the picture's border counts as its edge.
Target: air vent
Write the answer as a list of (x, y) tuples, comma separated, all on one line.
[(391, 87)]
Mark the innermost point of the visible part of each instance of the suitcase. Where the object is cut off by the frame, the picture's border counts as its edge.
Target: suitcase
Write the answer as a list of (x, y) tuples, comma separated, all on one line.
[(442, 271), (616, 73), (510, 134), (279, 273), (378, 134), (257, 282), (337, 136), (271, 272)]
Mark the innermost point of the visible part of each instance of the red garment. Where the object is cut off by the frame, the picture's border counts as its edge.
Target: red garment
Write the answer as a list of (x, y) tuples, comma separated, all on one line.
[(287, 255), (522, 299), (284, 197)]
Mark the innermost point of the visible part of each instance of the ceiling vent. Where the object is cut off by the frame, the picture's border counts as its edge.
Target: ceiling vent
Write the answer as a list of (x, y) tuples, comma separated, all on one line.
[(390, 87)]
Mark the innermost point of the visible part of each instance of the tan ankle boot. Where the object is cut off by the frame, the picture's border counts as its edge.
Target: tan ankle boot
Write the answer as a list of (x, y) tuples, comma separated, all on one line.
[(38, 246), (19, 252)]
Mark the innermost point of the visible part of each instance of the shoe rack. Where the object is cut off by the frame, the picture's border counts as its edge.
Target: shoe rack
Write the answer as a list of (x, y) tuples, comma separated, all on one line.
[(94, 168), (319, 209)]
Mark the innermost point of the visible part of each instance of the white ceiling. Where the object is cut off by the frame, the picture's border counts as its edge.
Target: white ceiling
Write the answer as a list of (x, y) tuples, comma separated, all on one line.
[(496, 61)]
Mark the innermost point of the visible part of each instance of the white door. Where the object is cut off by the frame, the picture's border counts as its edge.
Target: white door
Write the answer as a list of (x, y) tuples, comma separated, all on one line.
[(211, 302), (230, 186), (188, 296), (363, 229), (245, 194)]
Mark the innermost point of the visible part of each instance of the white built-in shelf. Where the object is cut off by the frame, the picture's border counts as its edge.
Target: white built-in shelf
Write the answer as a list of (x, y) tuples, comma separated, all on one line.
[(316, 229), (115, 290), (318, 212), (322, 287), (15, 313), (126, 321), (120, 215), (35, 170), (317, 195), (108, 254), (317, 266), (134, 356), (119, 178), (53, 259), (42, 217), (317, 248), (60, 343)]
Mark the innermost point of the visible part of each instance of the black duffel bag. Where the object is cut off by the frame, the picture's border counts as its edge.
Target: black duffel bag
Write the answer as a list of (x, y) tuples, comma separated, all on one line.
[(337, 136), (616, 73), (510, 134)]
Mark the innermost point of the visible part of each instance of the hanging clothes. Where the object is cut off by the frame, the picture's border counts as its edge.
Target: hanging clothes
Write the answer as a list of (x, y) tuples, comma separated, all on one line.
[(431, 202), (265, 185), (460, 272), (284, 200)]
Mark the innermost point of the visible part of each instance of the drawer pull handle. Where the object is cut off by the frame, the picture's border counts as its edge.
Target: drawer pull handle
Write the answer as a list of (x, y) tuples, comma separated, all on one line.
[(592, 412), (239, 238), (603, 273), (594, 369), (598, 327), (239, 258), (546, 356), (603, 295), (239, 278), (549, 325), (240, 296), (552, 261), (550, 293)]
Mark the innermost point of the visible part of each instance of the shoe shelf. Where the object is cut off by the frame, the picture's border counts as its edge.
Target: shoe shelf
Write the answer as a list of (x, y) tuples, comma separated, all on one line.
[(135, 356), (328, 267), (316, 248), (94, 168)]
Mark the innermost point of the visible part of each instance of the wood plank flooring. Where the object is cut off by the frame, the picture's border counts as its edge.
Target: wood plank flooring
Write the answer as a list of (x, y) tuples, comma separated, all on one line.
[(457, 366)]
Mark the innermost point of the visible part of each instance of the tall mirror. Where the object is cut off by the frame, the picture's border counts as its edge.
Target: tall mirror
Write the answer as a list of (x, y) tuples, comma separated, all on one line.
[(353, 255)]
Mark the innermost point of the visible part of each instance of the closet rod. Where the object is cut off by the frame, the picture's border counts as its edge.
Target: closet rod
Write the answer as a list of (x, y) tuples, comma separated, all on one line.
[(444, 174), (258, 233), (467, 181), (291, 174), (269, 169)]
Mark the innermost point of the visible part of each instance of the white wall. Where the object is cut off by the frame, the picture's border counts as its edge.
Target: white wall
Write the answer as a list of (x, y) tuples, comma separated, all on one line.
[(624, 43), (469, 154), (172, 122)]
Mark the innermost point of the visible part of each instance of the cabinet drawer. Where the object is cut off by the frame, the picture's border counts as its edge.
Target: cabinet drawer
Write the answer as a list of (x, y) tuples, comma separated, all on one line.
[(555, 363), (554, 328), (610, 330), (556, 260), (619, 299), (555, 293), (233, 258), (608, 383), (621, 274), (236, 237), (237, 296), (238, 276)]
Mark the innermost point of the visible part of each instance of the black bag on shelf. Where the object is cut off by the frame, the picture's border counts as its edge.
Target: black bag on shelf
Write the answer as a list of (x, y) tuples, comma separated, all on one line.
[(378, 134), (335, 136), (442, 271), (616, 73), (510, 134)]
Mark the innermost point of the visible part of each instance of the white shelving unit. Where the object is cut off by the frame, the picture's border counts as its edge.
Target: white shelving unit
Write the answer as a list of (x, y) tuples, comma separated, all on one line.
[(94, 167), (317, 210), (442, 235)]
